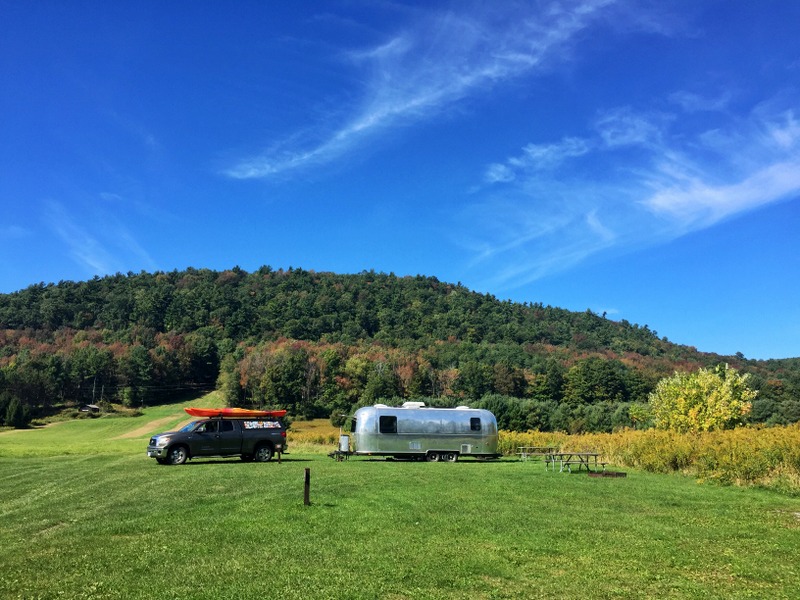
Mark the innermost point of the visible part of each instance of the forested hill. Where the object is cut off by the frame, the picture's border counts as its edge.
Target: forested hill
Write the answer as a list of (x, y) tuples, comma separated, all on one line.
[(317, 343), (303, 305)]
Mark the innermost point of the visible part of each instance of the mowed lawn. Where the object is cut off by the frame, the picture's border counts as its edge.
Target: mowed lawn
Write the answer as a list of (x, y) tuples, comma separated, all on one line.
[(79, 524)]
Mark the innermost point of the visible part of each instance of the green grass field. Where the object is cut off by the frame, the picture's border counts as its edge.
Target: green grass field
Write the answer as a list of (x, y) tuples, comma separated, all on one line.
[(85, 514)]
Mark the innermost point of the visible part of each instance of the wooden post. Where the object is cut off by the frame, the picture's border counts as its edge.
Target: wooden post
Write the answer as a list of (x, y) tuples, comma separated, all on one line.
[(307, 488)]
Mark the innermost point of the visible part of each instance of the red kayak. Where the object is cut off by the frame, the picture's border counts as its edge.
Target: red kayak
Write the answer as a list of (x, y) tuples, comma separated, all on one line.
[(233, 412)]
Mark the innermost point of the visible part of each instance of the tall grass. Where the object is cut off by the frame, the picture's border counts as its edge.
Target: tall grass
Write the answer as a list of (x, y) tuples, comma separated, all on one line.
[(765, 457), (315, 435)]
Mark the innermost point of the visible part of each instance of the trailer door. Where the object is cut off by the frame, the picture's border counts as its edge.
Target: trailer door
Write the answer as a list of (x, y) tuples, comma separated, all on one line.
[(387, 433)]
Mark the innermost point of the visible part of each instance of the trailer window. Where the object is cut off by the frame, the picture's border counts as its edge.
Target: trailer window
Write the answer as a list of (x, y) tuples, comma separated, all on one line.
[(475, 423), (388, 424)]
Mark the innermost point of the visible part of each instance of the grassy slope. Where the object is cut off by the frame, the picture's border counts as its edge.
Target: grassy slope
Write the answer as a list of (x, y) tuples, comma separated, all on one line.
[(77, 524), (104, 435)]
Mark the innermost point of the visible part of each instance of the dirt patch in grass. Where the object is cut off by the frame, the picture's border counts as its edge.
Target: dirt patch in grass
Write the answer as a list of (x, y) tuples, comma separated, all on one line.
[(31, 428), (149, 428)]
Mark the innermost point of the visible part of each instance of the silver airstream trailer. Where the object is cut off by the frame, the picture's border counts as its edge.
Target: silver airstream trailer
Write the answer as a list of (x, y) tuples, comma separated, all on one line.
[(415, 431)]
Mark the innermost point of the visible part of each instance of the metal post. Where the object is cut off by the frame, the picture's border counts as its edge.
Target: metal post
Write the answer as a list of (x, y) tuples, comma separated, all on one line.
[(307, 488)]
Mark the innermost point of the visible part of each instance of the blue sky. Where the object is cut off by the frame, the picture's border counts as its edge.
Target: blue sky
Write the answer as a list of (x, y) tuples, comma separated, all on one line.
[(640, 159)]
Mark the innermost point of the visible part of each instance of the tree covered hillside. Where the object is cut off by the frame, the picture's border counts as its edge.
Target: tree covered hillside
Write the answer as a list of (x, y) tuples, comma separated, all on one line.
[(321, 343)]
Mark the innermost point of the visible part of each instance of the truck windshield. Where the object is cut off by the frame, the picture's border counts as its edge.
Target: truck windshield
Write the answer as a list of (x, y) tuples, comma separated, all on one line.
[(190, 426)]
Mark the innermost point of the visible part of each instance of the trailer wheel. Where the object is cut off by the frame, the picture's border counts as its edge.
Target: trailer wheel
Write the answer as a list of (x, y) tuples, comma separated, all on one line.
[(433, 457), (452, 456)]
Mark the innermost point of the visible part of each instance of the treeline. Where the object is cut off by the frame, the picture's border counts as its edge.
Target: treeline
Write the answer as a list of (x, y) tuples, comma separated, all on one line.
[(40, 372), (322, 379), (303, 305), (320, 344)]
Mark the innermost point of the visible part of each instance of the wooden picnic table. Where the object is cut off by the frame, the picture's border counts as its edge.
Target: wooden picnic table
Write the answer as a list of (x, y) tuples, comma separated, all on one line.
[(535, 452), (566, 459)]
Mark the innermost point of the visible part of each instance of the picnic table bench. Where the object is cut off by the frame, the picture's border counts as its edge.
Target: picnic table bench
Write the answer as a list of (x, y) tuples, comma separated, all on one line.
[(566, 460), (340, 455), (535, 452)]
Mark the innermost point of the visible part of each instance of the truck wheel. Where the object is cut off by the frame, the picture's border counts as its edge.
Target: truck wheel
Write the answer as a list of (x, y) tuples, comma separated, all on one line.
[(432, 457), (177, 455), (263, 454), (452, 456)]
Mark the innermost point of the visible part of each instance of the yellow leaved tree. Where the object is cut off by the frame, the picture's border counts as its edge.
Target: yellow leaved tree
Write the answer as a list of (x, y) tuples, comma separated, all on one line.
[(705, 400)]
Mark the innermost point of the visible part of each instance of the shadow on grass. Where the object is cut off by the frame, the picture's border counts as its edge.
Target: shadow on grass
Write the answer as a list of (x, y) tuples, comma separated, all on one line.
[(233, 461), (389, 459)]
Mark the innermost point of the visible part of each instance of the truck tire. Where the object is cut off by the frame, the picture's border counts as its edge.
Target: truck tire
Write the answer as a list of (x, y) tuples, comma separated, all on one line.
[(263, 453), (177, 455)]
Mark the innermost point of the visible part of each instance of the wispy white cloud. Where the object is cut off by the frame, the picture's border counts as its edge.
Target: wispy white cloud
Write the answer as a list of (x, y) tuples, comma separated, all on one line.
[(95, 239), (695, 203), (753, 163), (439, 60), (499, 173), (625, 127), (614, 129), (785, 132), (692, 102), (13, 232), (537, 157), (672, 183), (535, 227), (83, 247)]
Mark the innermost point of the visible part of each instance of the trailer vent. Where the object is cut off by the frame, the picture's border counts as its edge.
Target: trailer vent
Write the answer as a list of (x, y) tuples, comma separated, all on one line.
[(413, 404), (466, 448)]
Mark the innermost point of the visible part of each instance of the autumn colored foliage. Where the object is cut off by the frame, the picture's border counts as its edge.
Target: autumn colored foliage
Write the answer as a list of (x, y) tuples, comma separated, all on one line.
[(706, 400), (320, 344)]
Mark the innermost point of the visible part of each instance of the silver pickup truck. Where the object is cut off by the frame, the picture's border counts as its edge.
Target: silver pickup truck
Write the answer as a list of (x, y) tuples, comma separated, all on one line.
[(253, 439)]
